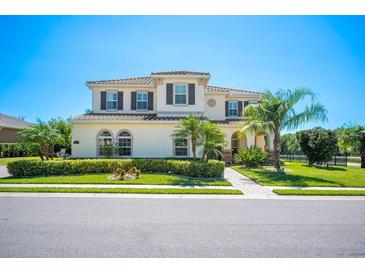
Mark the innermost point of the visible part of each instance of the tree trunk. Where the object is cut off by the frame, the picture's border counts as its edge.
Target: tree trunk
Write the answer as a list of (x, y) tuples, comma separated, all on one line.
[(276, 155), (362, 154), (193, 147)]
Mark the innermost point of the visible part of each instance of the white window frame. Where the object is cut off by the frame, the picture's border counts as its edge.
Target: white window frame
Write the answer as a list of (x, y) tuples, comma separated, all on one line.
[(100, 137), (230, 108), (187, 147), (125, 137), (116, 100), (142, 92), (186, 93)]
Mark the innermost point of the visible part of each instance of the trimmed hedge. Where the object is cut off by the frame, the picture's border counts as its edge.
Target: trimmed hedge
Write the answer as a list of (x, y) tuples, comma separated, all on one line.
[(23, 168), (17, 149)]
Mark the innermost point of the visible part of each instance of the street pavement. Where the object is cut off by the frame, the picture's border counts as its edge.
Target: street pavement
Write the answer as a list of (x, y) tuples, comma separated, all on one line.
[(123, 227)]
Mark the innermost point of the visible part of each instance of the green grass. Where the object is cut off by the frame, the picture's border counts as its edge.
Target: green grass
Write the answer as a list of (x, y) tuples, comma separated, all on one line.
[(300, 174), (121, 190), (144, 179), (5, 161), (320, 192)]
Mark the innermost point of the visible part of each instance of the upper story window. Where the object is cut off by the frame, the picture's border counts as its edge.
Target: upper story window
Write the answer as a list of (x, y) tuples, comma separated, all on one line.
[(232, 108), (111, 100), (180, 94), (142, 100)]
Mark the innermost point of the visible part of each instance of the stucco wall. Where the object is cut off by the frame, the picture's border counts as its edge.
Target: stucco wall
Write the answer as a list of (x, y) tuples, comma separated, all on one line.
[(161, 97), (126, 99), (149, 140), (218, 111)]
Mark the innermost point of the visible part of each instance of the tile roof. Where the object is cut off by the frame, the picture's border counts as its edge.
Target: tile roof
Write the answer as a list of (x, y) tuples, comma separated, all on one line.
[(181, 72), (231, 91), (12, 122), (143, 117), (124, 116), (137, 81)]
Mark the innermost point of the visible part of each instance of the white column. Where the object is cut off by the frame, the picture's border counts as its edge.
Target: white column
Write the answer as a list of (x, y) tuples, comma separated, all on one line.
[(250, 139)]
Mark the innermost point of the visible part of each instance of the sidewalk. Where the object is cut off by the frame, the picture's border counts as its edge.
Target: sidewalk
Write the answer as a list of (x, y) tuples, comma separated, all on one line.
[(315, 188), (116, 186)]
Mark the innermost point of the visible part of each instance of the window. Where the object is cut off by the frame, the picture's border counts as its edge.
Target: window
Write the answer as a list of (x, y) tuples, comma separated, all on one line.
[(105, 143), (111, 100), (232, 108), (181, 147), (180, 94), (142, 100), (124, 144)]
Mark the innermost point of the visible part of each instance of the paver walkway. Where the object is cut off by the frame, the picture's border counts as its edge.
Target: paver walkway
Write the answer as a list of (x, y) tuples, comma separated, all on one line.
[(249, 187), (4, 172)]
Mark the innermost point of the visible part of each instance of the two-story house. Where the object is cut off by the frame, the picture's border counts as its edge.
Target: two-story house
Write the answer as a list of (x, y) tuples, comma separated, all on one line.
[(138, 115)]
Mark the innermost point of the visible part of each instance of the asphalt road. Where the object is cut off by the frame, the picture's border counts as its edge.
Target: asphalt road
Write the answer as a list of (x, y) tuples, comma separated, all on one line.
[(115, 227)]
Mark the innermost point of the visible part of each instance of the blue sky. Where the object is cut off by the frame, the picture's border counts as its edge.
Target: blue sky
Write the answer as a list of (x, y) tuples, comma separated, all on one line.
[(46, 60)]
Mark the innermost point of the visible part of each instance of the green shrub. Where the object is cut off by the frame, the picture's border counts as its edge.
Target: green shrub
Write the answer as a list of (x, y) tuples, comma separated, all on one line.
[(318, 144), (251, 157), (18, 150), (210, 169)]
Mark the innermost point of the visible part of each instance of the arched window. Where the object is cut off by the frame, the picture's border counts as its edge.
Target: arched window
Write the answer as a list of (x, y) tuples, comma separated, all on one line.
[(124, 144), (105, 143)]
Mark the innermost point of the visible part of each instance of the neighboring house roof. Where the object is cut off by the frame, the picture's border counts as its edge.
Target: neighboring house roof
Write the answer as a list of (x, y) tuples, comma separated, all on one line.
[(147, 81), (7, 121), (142, 117)]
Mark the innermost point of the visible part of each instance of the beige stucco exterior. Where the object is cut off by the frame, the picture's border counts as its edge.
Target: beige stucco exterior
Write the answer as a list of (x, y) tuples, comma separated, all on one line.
[(152, 137)]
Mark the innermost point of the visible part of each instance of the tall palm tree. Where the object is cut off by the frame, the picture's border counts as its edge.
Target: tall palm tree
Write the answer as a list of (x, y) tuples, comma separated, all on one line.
[(190, 127), (212, 140), (44, 135), (275, 112)]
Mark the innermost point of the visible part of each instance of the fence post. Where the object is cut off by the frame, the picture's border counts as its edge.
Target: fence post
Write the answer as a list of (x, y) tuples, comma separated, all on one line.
[(335, 160)]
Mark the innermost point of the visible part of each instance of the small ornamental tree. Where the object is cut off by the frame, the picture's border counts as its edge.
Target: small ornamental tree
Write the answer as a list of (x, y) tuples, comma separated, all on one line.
[(251, 156), (318, 144)]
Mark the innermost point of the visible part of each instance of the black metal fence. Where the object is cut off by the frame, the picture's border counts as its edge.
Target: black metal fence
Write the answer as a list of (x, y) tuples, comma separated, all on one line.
[(337, 160)]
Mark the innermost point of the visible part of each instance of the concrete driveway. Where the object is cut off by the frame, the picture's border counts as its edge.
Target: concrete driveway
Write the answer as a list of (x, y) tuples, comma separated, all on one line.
[(4, 172)]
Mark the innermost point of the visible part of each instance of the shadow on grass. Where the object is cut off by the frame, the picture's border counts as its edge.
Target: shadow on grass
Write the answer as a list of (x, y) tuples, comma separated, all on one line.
[(327, 168), (271, 178)]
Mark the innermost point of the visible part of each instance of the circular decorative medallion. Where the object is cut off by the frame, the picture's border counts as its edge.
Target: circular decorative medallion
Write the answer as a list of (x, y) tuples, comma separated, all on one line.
[(211, 102)]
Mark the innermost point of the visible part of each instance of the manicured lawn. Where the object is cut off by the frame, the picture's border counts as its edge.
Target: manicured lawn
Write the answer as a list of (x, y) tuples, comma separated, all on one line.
[(144, 179), (4, 161), (121, 190), (300, 174), (320, 192)]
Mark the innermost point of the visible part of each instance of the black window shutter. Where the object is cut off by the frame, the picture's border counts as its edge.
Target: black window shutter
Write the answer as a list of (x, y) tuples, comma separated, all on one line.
[(150, 100), (226, 108), (120, 100), (103, 100), (191, 94), (169, 94), (133, 100), (239, 108), (245, 104)]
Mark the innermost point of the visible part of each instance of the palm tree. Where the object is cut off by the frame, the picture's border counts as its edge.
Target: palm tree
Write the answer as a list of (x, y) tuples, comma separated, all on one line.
[(275, 112), (212, 140), (44, 135), (190, 127)]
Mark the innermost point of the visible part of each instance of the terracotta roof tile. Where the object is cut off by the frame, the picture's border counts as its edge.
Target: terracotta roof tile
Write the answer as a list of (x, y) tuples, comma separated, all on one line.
[(231, 91), (143, 117), (181, 72), (138, 81)]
